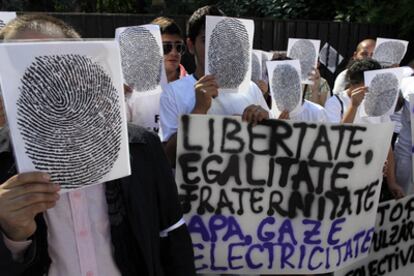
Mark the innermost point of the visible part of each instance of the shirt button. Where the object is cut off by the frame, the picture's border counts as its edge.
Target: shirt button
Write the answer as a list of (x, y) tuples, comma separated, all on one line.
[(89, 273)]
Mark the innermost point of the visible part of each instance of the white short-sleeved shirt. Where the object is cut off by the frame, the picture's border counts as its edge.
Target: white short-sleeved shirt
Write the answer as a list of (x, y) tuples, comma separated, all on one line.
[(310, 112), (340, 82), (334, 109), (178, 98)]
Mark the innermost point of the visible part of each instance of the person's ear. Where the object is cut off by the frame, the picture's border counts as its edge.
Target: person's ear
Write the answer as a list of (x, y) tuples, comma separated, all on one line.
[(190, 46)]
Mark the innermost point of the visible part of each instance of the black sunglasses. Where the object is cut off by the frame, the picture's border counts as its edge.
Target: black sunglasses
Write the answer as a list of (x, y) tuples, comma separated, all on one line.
[(168, 46)]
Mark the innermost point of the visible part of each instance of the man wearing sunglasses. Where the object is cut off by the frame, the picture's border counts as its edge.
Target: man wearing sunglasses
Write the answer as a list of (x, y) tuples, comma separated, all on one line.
[(198, 93), (174, 47)]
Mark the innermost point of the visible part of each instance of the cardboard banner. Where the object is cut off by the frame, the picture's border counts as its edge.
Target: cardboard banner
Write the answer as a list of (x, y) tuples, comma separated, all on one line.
[(392, 248), (280, 197)]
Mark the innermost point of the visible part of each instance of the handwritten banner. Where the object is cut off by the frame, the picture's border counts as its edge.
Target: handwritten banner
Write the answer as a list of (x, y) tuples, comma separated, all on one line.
[(280, 197), (392, 248)]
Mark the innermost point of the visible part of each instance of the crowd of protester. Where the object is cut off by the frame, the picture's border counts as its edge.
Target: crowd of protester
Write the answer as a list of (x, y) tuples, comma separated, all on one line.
[(126, 217)]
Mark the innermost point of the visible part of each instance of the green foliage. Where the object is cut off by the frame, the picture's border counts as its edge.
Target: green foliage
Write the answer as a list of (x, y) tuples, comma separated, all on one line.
[(394, 12)]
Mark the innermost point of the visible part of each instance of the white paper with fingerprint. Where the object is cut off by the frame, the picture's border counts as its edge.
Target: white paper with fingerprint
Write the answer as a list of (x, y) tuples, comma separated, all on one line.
[(389, 51), (257, 73), (64, 104), (383, 88), (143, 69), (307, 52), (5, 17), (228, 53), (285, 85)]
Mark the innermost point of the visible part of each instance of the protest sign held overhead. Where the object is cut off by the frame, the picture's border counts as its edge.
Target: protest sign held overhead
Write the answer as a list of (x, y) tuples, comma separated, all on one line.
[(330, 57), (285, 84), (307, 52), (64, 104), (143, 67), (280, 197), (389, 51), (383, 88), (228, 54)]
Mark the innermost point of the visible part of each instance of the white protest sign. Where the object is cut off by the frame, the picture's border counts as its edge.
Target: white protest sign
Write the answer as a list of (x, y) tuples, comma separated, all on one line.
[(392, 249), (330, 57), (257, 65), (143, 67), (266, 56), (5, 17), (383, 88), (281, 197), (285, 84), (64, 104), (389, 51), (307, 52), (228, 53)]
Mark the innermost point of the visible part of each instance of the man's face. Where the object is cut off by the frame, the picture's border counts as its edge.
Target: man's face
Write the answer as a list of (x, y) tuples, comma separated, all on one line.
[(197, 48), (365, 50), (172, 59)]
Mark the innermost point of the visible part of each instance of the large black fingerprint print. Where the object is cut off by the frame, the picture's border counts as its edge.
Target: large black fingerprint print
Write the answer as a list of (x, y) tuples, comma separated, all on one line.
[(69, 118), (256, 68), (381, 95), (304, 51), (141, 59), (390, 52), (286, 86), (228, 53), (2, 24)]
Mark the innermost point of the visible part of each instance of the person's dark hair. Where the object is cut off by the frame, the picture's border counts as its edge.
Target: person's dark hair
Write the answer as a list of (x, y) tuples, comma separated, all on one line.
[(197, 20), (280, 55), (38, 23), (355, 73), (167, 26)]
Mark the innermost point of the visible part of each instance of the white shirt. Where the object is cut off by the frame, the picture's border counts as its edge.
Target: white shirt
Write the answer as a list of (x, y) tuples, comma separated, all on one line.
[(340, 82), (178, 98), (310, 112), (334, 109)]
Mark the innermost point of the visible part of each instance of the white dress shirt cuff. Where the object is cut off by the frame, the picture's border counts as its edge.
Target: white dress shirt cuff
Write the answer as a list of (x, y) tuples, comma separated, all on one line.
[(17, 248)]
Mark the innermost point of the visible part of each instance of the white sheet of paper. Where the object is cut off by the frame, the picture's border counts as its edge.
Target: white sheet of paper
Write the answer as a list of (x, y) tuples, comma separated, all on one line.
[(65, 109), (257, 65), (285, 85), (407, 86), (228, 52), (5, 17), (381, 99), (390, 51), (266, 56), (307, 52), (392, 253), (330, 57), (243, 196), (143, 66)]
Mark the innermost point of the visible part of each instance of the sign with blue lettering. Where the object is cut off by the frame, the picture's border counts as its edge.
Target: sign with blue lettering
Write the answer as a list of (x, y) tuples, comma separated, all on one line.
[(279, 197), (392, 248)]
